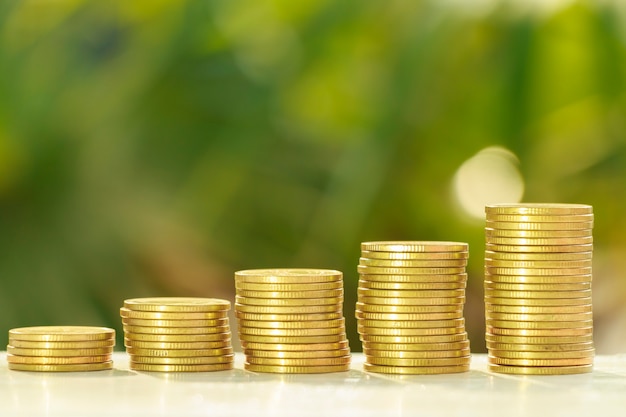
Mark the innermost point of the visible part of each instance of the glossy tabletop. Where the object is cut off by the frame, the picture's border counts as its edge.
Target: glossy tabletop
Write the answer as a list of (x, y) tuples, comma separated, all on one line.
[(122, 392)]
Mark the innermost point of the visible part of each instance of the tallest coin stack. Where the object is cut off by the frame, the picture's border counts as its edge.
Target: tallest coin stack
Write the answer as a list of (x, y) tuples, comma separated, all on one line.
[(538, 288)]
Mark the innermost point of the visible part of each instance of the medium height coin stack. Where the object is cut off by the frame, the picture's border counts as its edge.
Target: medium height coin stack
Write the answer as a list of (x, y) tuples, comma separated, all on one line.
[(538, 288), (60, 348), (291, 320), (177, 334), (410, 307)]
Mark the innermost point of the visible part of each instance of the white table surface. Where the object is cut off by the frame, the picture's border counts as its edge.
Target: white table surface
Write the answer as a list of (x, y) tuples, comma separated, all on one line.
[(121, 392)]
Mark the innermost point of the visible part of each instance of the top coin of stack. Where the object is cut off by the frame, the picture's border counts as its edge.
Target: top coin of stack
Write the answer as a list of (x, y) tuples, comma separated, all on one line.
[(177, 334), (60, 348), (291, 320), (538, 288), (410, 307)]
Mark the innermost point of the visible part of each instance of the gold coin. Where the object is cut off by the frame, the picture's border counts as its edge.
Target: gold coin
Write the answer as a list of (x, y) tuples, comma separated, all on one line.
[(92, 344), (276, 369), (415, 370), (537, 294), (515, 354), (293, 339), (288, 276), (541, 370), (177, 304), (434, 306), (414, 301), (552, 209), (510, 247), (541, 340), (437, 317), (423, 311), (527, 279), (414, 246), (59, 352), (379, 270), (495, 308), (537, 234), (290, 294), (555, 317), (213, 326), (188, 360), (206, 330), (538, 271), (414, 255), (374, 360), (516, 324), (524, 218), (538, 226), (288, 302), (413, 354), (536, 302), (285, 318), (539, 257), (311, 354), (302, 325), (524, 241), (422, 347), (417, 331), (500, 263), (570, 332), (226, 343), (175, 338), (324, 331), (576, 286), (341, 360), (415, 324), (61, 333), (540, 362), (411, 286), (149, 367), (517, 347), (446, 338), (156, 315), (53, 360), (404, 294), (295, 347), (406, 279), (414, 263), (178, 348), (264, 309), (179, 353), (75, 367), (309, 286)]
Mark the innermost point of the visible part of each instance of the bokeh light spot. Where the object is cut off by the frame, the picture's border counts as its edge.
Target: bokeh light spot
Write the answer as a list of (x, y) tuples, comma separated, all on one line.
[(491, 176)]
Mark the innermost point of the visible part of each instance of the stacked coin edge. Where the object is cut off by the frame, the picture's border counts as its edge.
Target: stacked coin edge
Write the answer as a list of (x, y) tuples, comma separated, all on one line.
[(538, 278), (177, 334)]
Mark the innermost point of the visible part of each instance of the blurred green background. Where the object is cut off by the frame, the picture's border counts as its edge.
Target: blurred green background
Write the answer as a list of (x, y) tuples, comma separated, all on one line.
[(155, 147)]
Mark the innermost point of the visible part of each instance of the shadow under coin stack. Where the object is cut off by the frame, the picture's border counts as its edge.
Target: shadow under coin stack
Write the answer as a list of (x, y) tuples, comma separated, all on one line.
[(538, 288), (410, 307), (291, 320), (172, 334), (60, 348)]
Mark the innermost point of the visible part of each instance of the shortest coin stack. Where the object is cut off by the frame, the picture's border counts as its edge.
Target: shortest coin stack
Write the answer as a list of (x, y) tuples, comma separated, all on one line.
[(291, 320), (174, 334), (60, 348)]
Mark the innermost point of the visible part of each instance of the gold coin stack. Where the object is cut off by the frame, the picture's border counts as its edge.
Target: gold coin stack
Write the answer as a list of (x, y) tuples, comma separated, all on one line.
[(410, 307), (538, 288), (291, 320), (60, 348), (177, 334)]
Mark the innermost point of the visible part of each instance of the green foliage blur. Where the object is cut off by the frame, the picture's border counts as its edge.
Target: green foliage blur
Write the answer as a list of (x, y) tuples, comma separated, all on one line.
[(155, 147)]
